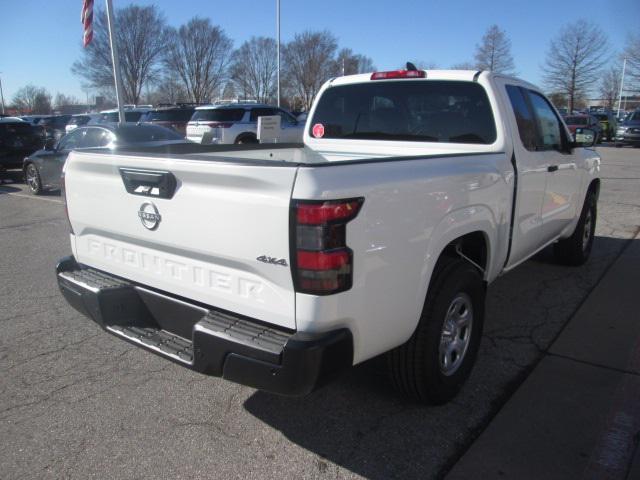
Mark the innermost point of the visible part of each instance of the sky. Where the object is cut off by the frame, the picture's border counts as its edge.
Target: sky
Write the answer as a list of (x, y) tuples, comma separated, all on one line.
[(40, 39)]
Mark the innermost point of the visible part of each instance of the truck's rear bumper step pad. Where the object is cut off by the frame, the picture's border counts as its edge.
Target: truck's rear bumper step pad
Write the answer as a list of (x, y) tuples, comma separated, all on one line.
[(161, 341), (203, 338)]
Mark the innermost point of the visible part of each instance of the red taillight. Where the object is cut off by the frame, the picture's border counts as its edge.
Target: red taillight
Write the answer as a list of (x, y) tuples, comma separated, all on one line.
[(63, 192), (326, 212), (398, 74), (323, 264)]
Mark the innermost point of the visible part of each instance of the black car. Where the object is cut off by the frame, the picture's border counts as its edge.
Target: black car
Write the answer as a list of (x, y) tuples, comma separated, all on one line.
[(42, 169), (17, 140), (628, 133), (54, 126)]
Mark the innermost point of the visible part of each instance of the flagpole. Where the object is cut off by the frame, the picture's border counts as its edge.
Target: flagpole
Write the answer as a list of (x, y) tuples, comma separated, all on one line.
[(278, 45), (116, 62), (624, 66), (1, 95)]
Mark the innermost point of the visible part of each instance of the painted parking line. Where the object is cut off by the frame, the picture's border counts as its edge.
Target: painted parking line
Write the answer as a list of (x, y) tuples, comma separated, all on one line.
[(32, 197)]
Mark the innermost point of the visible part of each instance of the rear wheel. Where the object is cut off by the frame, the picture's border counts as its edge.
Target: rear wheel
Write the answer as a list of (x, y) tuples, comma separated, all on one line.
[(246, 139), (576, 249), (32, 177), (433, 364)]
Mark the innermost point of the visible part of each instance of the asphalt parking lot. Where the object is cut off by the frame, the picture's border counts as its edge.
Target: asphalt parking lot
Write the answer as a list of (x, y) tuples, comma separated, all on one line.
[(78, 403)]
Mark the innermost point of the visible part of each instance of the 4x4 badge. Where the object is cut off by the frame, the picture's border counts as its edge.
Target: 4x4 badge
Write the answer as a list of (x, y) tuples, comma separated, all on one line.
[(272, 260)]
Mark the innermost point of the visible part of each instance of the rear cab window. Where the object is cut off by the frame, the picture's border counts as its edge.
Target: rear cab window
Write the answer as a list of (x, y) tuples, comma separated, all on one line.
[(419, 111)]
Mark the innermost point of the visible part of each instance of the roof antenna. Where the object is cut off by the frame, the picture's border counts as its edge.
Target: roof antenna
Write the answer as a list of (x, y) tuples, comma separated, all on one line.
[(411, 66)]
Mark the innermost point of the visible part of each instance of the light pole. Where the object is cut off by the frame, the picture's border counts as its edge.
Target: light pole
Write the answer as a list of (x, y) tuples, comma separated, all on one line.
[(624, 66), (278, 45), (1, 94), (116, 62)]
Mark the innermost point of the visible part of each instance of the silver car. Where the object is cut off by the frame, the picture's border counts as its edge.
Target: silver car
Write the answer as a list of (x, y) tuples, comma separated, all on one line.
[(238, 123)]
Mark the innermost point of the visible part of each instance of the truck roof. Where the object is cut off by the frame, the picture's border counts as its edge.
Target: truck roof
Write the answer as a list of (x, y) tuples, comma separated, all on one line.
[(459, 75)]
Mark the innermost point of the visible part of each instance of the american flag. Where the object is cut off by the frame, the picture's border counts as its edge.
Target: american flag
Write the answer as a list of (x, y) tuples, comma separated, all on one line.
[(86, 17)]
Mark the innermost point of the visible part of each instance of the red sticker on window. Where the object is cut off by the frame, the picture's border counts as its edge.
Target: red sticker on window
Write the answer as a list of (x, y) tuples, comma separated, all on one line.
[(318, 130)]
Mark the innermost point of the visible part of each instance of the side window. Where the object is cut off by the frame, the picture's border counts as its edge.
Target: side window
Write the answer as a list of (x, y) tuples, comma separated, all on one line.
[(550, 136), (96, 137), (72, 140), (524, 117), (261, 112)]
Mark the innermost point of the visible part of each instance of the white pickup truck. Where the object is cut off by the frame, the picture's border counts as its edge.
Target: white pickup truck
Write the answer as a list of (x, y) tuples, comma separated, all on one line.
[(278, 266)]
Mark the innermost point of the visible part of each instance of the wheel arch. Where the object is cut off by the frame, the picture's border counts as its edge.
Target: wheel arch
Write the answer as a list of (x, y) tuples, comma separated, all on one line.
[(471, 231)]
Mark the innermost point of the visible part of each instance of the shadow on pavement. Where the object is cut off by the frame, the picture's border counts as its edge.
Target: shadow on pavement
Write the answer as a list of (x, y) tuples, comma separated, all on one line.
[(361, 424), (8, 188)]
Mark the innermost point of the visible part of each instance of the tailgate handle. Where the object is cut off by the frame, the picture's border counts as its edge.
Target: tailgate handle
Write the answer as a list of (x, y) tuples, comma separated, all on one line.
[(149, 183)]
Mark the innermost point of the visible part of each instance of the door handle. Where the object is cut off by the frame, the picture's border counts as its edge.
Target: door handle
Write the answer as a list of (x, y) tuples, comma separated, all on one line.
[(149, 183), (552, 168)]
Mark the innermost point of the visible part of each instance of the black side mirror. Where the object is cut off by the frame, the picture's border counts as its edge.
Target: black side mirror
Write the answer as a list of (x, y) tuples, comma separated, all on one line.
[(584, 137), (50, 144)]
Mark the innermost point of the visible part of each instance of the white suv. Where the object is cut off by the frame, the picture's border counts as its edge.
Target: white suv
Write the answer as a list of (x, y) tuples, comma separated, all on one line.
[(237, 123), (132, 114)]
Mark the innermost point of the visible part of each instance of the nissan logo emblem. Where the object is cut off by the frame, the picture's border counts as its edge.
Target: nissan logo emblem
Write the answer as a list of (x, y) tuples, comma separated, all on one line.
[(149, 215)]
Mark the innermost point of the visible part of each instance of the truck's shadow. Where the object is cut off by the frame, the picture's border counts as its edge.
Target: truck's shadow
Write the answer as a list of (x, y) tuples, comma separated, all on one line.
[(361, 424)]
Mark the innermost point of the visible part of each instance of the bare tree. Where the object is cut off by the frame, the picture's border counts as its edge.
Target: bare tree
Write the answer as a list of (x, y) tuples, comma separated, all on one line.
[(632, 54), (253, 69), (141, 37), (574, 60), (199, 53), (32, 99), (169, 89), (309, 60), (349, 63), (558, 99), (610, 86), (464, 66), (229, 91), (62, 100), (494, 53)]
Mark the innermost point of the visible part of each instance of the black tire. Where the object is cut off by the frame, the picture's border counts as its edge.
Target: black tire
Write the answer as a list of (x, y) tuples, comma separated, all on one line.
[(618, 145), (32, 178), (415, 367), (246, 139), (576, 249)]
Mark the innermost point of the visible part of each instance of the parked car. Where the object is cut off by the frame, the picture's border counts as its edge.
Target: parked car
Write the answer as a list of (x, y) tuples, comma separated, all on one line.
[(17, 140), (584, 121), (237, 123), (279, 267), (609, 124), (80, 120), (628, 133), (54, 126), (42, 169), (33, 119), (131, 115), (175, 117)]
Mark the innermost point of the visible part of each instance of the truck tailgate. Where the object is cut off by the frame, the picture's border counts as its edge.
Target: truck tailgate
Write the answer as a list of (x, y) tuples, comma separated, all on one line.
[(206, 239)]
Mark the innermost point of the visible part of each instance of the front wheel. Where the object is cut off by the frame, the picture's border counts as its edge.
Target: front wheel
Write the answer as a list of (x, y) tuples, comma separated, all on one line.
[(433, 364), (576, 249), (32, 177)]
